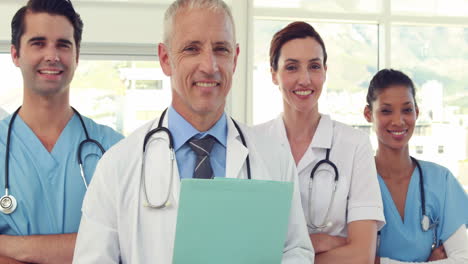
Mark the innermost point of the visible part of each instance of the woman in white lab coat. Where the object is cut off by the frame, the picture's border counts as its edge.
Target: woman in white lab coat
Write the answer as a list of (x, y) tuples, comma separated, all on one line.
[(412, 190), (343, 224)]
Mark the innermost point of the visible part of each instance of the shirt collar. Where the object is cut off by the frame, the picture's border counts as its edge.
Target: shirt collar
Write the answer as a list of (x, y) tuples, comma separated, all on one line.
[(182, 130), (324, 134)]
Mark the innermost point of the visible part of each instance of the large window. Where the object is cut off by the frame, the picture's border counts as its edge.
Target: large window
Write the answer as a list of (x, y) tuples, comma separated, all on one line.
[(428, 40), (370, 6), (121, 94), (430, 7)]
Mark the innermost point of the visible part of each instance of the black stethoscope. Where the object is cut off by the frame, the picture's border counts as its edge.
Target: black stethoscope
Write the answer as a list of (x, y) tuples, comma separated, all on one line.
[(326, 221), (8, 202), (148, 139), (426, 224)]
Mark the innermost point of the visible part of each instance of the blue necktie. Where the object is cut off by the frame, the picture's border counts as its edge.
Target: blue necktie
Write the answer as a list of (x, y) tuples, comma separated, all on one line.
[(202, 148)]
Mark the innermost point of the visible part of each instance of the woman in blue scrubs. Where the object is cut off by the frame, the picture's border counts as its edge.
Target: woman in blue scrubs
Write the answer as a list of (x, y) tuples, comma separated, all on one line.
[(391, 107)]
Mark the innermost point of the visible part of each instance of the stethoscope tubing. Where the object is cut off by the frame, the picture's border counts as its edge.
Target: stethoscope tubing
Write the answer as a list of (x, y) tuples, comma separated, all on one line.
[(327, 161), (79, 157), (425, 221), (147, 139)]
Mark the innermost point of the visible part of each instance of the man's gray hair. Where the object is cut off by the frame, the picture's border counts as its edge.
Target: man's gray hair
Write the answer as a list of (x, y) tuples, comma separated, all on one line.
[(176, 6)]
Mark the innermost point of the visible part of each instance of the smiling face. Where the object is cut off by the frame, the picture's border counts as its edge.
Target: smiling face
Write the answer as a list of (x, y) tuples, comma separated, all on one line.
[(47, 56), (394, 115), (201, 61), (301, 74)]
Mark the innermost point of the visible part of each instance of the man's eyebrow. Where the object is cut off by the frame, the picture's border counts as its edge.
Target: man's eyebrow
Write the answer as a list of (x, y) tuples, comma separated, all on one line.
[(33, 39), (227, 43), (192, 42), (65, 41)]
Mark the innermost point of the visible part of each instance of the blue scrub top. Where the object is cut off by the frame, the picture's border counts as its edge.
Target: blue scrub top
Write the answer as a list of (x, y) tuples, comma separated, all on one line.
[(446, 202), (48, 186)]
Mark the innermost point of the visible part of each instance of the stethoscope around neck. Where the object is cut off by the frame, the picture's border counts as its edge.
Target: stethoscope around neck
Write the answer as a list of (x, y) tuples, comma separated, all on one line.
[(8, 202), (149, 138), (326, 221), (426, 224)]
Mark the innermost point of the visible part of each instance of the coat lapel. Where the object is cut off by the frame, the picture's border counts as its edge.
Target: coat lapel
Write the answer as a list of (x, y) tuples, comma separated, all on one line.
[(236, 153)]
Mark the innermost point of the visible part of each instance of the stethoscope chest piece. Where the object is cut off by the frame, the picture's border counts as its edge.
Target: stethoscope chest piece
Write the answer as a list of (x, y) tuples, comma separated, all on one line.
[(8, 204)]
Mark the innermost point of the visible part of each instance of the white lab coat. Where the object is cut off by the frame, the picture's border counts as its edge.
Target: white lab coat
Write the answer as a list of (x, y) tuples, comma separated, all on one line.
[(358, 194), (115, 225)]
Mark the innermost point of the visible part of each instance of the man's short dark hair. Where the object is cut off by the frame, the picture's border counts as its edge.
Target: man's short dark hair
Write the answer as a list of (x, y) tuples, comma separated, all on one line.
[(52, 7)]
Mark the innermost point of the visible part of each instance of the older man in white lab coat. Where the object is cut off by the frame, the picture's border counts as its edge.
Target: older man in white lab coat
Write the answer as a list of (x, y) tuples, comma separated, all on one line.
[(199, 53)]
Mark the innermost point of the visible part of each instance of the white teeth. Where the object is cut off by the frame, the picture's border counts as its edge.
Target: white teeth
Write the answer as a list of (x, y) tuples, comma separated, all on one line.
[(397, 133), (206, 84), (303, 92), (49, 72)]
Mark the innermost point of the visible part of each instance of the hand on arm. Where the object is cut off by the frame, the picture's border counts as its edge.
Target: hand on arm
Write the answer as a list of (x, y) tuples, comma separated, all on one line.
[(39, 249), (437, 254), (359, 247), (324, 242), (455, 248)]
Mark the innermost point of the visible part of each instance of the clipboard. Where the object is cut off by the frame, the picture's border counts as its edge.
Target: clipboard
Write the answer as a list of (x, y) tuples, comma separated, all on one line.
[(232, 221)]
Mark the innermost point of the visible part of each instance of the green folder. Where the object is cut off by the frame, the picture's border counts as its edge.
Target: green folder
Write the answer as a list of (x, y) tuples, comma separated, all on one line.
[(232, 221)]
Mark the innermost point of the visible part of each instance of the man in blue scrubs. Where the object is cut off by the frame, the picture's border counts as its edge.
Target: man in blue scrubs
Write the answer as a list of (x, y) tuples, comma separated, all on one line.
[(44, 175)]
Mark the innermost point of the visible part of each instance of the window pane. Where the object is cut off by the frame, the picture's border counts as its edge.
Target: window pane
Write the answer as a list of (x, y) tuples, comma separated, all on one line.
[(335, 6), (352, 60), (11, 90), (157, 2), (121, 94), (430, 7), (436, 58)]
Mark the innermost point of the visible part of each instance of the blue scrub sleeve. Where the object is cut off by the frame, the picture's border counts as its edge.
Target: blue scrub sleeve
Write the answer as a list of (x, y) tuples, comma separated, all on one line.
[(455, 212)]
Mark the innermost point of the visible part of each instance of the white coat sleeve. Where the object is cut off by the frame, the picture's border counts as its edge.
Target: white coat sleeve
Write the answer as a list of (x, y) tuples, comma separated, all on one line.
[(98, 240), (456, 247), (298, 247), (365, 200)]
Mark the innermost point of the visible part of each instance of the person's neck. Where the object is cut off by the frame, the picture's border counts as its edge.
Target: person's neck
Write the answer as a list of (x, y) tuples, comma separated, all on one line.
[(300, 130), (300, 126), (200, 121), (394, 164), (46, 117)]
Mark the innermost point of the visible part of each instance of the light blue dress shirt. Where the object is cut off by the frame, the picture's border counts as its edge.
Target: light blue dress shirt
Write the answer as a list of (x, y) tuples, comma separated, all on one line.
[(182, 131), (446, 203), (48, 185)]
